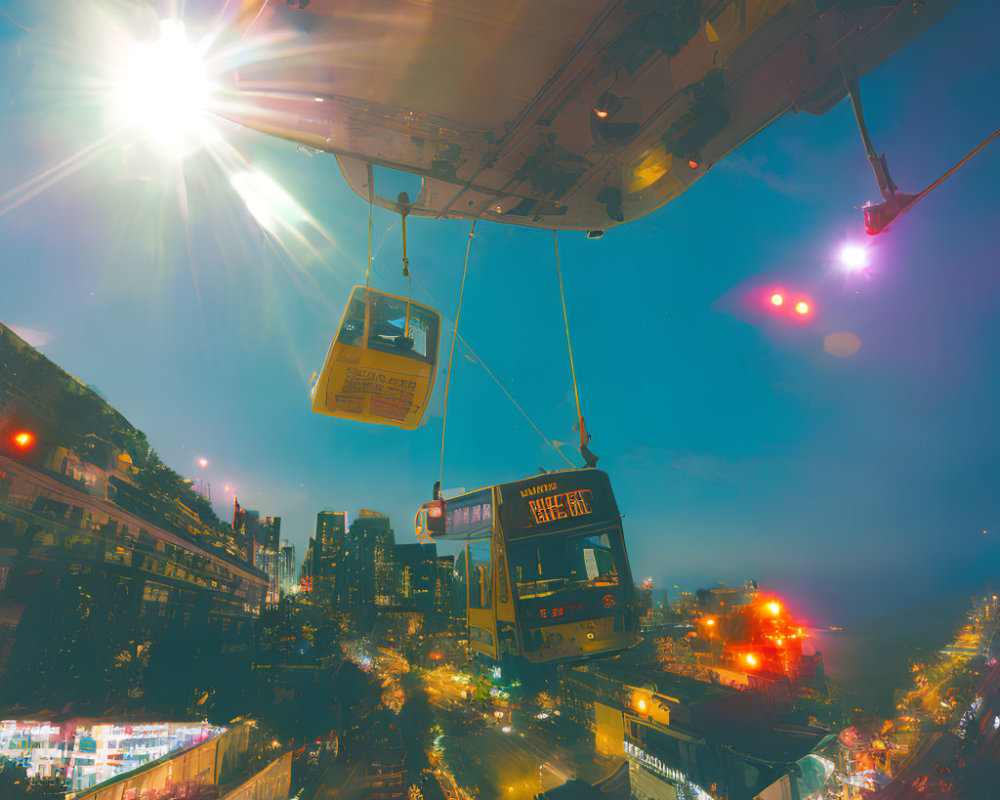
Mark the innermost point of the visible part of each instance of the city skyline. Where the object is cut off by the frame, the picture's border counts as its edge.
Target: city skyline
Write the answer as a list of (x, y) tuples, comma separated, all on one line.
[(725, 431)]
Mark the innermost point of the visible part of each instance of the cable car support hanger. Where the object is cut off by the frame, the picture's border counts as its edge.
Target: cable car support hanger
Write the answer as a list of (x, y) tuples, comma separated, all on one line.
[(894, 203), (589, 458)]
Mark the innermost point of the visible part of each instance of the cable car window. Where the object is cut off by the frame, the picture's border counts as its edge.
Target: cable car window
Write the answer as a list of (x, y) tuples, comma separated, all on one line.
[(388, 330), (546, 564), (480, 583)]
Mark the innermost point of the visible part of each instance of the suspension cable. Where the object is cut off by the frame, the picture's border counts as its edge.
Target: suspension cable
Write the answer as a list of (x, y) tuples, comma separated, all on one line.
[(406, 274), (477, 359), (475, 356), (454, 338), (954, 169), (569, 344), (368, 272), (371, 202)]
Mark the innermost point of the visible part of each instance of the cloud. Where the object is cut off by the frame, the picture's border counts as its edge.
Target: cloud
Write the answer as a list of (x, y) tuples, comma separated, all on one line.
[(756, 168), (700, 466), (32, 336)]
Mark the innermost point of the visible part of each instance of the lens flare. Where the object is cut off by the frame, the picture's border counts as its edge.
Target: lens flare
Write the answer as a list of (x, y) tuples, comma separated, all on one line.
[(777, 299), (802, 307), (163, 88), (853, 257)]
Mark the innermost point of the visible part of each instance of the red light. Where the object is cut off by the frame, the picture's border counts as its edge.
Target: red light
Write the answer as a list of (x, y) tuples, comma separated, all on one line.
[(802, 307), (434, 511), (24, 439), (777, 299), (692, 163), (609, 601), (601, 113)]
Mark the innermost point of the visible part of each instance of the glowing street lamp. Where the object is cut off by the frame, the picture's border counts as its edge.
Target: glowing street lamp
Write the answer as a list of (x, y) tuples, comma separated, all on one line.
[(23, 440)]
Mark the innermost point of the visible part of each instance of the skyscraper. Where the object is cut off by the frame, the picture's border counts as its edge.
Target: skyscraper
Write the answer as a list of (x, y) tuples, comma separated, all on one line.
[(328, 546), (416, 565), (286, 567), (371, 562), (444, 579)]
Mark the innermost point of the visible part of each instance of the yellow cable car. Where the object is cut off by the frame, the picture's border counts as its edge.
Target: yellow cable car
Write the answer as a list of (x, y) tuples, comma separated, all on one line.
[(382, 365)]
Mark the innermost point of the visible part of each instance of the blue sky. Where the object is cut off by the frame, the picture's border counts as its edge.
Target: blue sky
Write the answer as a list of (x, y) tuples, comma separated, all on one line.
[(737, 446)]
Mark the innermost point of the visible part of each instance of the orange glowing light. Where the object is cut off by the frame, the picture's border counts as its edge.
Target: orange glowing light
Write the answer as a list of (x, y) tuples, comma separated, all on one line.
[(710, 622), (692, 163), (774, 608), (640, 704), (750, 659), (777, 299), (601, 113), (24, 439), (781, 642), (802, 307)]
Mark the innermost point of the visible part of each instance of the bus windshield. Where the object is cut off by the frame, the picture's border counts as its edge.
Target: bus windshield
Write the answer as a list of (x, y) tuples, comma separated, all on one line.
[(543, 565)]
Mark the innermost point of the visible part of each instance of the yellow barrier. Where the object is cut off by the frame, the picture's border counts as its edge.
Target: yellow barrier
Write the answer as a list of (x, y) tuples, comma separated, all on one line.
[(271, 783)]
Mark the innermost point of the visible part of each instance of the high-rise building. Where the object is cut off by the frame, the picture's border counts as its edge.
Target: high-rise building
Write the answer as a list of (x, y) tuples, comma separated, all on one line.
[(444, 579), (267, 560), (371, 564), (416, 568), (286, 567), (270, 535), (328, 547)]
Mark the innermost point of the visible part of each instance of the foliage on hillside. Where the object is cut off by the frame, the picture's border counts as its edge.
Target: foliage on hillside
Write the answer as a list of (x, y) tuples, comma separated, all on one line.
[(75, 416)]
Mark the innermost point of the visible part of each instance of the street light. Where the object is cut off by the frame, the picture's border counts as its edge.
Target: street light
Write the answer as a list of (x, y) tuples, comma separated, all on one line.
[(23, 440)]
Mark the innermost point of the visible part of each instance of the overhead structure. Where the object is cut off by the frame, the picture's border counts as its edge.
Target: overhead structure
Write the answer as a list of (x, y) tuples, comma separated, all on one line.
[(563, 114), (381, 366)]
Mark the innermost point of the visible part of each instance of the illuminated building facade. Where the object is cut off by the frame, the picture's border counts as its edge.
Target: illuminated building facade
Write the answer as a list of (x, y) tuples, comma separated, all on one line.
[(286, 567), (686, 738), (416, 571), (84, 753), (371, 560), (444, 582), (100, 543), (327, 551)]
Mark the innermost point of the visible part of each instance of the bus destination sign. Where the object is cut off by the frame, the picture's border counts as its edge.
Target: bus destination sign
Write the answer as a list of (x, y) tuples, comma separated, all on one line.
[(577, 503)]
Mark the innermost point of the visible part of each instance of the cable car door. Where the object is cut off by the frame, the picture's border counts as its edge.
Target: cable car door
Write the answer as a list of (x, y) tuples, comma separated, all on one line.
[(482, 617), (381, 366)]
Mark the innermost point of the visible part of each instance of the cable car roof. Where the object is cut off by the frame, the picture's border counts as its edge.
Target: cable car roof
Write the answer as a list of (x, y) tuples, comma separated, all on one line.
[(568, 114)]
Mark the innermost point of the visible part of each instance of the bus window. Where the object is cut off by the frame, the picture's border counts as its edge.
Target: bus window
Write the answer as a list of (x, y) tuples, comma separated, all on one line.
[(480, 594), (546, 564)]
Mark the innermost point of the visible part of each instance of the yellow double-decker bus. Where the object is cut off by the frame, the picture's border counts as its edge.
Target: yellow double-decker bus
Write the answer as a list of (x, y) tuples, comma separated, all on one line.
[(544, 572)]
